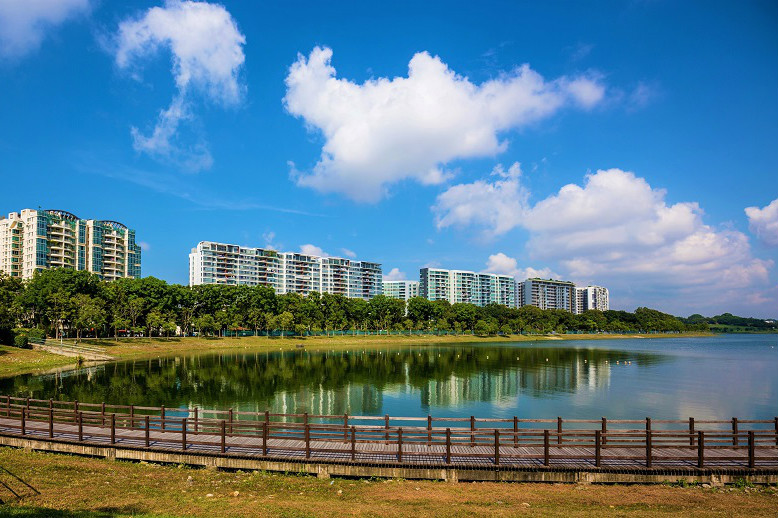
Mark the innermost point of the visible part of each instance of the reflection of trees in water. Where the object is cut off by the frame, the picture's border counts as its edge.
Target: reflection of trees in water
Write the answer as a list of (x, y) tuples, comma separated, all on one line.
[(335, 382)]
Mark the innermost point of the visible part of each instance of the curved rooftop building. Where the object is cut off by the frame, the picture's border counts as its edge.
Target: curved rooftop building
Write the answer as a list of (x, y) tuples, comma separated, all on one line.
[(35, 240)]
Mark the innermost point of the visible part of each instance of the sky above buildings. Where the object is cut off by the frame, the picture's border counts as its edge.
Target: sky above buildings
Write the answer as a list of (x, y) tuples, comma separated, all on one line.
[(628, 144)]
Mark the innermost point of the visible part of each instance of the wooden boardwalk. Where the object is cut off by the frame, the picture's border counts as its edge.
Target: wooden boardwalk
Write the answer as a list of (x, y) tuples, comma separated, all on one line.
[(743, 445)]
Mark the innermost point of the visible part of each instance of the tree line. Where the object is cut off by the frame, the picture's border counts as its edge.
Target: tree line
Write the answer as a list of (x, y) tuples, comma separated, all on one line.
[(69, 303)]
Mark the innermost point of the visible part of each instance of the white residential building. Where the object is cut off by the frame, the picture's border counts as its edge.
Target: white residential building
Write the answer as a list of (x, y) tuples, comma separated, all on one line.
[(35, 240), (549, 294), (401, 289), (462, 286), (592, 297), (285, 272)]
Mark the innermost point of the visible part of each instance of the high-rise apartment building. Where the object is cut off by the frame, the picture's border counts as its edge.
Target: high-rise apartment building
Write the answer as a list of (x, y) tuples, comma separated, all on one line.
[(285, 272), (591, 297), (35, 240), (462, 286), (401, 289), (550, 294)]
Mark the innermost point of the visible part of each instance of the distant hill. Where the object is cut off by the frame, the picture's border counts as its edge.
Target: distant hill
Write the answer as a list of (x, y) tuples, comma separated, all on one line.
[(727, 322)]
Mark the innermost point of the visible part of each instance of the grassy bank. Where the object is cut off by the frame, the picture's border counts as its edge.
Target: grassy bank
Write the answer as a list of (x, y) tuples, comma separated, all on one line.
[(67, 486), (15, 361)]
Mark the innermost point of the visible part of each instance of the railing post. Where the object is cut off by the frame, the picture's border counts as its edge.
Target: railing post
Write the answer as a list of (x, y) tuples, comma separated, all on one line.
[(162, 417), (75, 408), (353, 443), (147, 430), (597, 441), (345, 427), (472, 429), (429, 429), (648, 448), (231, 418), (102, 414), (132, 417), (691, 431), (734, 432), (183, 433), (307, 440), (776, 431), (113, 428), (386, 426), (224, 438), (80, 427), (751, 448), (51, 421), (264, 437), (23, 418), (496, 447), (700, 449), (400, 444), (604, 430), (8, 406), (559, 430), (196, 420), (448, 445), (515, 431), (545, 447)]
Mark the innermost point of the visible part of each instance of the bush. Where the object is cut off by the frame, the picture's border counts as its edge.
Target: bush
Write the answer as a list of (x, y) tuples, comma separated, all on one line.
[(36, 333), (21, 341)]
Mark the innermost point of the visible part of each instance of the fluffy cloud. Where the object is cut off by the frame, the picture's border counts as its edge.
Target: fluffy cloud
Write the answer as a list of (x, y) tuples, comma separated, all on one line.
[(24, 23), (503, 264), (617, 230), (395, 275), (390, 129), (309, 249), (764, 222), (207, 55), (499, 206), (348, 253)]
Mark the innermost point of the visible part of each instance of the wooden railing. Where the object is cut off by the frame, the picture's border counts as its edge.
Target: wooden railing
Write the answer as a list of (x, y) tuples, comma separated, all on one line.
[(701, 443)]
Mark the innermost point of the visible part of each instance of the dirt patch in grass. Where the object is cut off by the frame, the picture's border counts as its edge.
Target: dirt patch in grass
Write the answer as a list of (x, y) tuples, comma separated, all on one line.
[(71, 486)]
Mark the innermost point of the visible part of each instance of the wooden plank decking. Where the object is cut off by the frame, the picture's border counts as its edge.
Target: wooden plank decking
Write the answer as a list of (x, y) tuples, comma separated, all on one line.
[(341, 440)]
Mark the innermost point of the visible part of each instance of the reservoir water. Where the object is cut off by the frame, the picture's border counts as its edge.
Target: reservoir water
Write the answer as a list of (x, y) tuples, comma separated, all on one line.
[(666, 378)]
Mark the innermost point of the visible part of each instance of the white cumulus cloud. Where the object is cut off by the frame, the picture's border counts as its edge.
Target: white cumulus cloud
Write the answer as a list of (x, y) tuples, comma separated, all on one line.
[(503, 264), (309, 249), (207, 56), (499, 206), (617, 230), (395, 275), (764, 222), (24, 23), (348, 253), (390, 129)]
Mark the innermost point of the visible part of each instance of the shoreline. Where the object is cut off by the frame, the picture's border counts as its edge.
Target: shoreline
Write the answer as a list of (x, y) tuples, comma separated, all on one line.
[(14, 361)]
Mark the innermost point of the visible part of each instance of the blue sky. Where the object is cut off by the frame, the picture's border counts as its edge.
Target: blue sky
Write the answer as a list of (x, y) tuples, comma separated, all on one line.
[(616, 143)]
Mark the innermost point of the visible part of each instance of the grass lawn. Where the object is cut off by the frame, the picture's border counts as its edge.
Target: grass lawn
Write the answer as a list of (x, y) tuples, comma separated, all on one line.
[(69, 486), (15, 361)]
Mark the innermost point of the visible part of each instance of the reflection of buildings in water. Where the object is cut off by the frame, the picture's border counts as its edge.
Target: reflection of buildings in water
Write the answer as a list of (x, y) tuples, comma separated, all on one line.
[(506, 385), (352, 399)]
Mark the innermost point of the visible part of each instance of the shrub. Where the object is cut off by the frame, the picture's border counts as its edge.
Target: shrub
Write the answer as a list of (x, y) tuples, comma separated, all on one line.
[(21, 341)]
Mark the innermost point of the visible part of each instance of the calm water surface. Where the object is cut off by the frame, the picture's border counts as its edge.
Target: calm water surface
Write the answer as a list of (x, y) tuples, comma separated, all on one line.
[(669, 378)]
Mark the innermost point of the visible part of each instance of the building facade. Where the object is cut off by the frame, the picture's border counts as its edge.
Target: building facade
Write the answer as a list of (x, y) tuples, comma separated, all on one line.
[(35, 240), (462, 286), (404, 290), (592, 297), (285, 272), (550, 294)]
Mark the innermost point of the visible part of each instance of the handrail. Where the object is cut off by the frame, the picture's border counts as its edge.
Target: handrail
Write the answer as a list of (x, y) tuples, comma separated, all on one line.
[(498, 444)]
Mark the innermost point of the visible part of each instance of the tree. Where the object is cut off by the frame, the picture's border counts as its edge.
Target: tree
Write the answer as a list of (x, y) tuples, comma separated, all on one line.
[(284, 321), (89, 313), (481, 328)]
